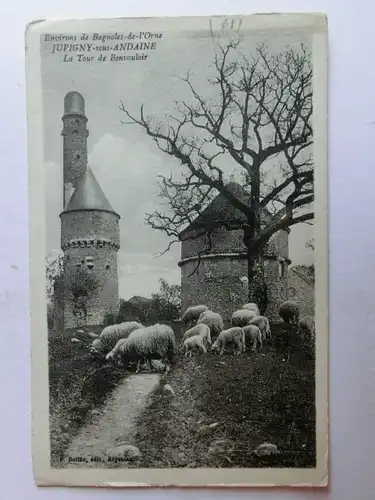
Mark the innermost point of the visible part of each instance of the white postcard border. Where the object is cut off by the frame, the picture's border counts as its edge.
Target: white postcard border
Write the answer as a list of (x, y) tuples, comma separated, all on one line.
[(43, 473)]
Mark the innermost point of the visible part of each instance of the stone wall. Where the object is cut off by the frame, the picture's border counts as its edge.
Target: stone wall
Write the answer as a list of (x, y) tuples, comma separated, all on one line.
[(221, 239), (216, 283), (89, 224), (90, 240), (104, 268), (75, 136), (276, 276), (301, 289), (278, 244)]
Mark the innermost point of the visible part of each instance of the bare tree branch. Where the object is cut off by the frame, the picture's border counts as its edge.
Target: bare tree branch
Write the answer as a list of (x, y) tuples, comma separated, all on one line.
[(258, 111)]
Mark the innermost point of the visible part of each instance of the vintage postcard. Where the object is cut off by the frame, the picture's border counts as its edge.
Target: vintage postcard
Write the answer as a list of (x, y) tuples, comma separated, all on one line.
[(179, 258)]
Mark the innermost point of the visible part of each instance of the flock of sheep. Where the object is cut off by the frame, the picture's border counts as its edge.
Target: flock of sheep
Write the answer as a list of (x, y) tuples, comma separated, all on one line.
[(131, 342)]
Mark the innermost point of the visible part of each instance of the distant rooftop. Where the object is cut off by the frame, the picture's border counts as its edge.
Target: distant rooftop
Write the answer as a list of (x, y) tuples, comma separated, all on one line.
[(88, 195)]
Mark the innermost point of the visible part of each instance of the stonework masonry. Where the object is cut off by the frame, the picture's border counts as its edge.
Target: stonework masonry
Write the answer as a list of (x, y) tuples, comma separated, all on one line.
[(90, 225), (301, 289), (102, 263), (218, 283), (90, 236), (75, 136)]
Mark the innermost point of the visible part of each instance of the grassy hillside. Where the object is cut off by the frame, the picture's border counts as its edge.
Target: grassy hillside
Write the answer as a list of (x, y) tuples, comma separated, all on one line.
[(253, 398), (77, 385)]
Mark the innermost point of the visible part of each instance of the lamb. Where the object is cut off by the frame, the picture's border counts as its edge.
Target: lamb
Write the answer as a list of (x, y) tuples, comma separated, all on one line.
[(253, 334), (264, 326), (242, 317), (289, 312), (234, 336), (192, 314), (200, 329), (213, 320), (152, 342), (110, 335), (252, 307), (192, 343)]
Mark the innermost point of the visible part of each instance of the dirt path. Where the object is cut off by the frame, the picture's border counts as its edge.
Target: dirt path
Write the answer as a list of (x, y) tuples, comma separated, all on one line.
[(111, 425)]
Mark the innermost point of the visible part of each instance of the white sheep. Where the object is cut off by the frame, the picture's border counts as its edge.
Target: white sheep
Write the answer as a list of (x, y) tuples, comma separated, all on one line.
[(148, 343), (264, 326), (234, 336), (192, 343), (242, 317), (252, 307), (213, 320), (254, 335), (200, 329), (114, 353), (192, 313), (110, 335), (289, 312)]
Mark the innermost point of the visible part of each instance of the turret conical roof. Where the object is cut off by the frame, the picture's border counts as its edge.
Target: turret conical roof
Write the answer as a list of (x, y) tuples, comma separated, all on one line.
[(88, 195)]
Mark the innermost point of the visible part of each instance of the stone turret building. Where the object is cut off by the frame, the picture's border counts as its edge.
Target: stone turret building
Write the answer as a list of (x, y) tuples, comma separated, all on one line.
[(220, 280), (90, 236)]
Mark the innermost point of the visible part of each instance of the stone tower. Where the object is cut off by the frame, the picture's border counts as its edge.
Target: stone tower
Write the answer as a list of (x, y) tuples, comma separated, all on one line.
[(220, 280), (89, 226), (75, 136)]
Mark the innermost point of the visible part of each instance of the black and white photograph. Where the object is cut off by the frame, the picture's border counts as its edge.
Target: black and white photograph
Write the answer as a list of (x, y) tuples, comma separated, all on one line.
[(179, 250)]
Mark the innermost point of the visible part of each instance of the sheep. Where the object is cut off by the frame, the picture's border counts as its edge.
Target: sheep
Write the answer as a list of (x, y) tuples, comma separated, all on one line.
[(242, 317), (192, 314), (306, 328), (253, 334), (115, 356), (114, 353), (152, 342), (252, 307), (110, 335), (191, 343), (264, 326), (289, 312), (213, 320), (200, 329), (234, 336)]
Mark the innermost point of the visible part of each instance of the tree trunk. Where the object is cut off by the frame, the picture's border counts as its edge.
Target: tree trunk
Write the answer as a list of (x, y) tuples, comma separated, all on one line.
[(257, 284), (257, 288)]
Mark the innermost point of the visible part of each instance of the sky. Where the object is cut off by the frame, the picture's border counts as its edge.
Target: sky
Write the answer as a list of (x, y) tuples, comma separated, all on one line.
[(124, 160)]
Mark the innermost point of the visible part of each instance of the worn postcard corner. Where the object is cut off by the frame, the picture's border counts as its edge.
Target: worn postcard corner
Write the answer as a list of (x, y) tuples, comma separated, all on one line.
[(178, 251)]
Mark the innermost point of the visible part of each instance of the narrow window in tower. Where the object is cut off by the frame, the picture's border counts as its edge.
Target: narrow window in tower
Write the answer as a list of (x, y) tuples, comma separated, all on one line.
[(108, 266), (78, 157), (281, 269), (89, 262)]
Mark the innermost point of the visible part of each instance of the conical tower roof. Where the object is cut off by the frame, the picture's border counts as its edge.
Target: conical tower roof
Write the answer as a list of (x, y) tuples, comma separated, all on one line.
[(88, 195), (222, 209)]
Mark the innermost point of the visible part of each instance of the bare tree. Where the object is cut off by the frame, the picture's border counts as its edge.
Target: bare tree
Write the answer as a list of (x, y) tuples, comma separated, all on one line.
[(260, 121)]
